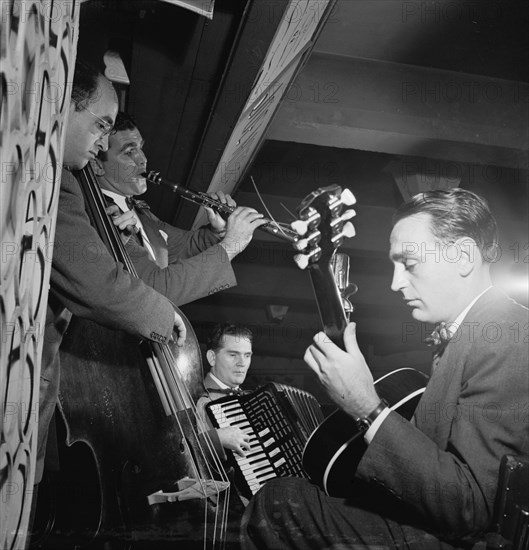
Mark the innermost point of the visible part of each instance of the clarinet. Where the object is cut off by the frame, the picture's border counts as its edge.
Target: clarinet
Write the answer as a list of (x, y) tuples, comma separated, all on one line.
[(278, 229)]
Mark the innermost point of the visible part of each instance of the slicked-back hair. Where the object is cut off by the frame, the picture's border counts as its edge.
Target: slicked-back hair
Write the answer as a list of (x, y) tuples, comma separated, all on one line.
[(124, 121), (85, 84), (227, 329), (455, 213)]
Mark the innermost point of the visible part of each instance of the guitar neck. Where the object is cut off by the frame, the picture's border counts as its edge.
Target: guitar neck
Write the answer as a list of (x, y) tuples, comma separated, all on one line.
[(329, 302)]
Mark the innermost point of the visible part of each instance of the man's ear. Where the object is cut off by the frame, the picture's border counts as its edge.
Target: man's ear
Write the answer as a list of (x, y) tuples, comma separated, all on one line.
[(97, 167), (210, 356), (469, 255)]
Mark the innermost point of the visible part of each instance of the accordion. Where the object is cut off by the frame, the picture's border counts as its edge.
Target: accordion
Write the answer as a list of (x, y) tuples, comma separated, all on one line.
[(279, 419)]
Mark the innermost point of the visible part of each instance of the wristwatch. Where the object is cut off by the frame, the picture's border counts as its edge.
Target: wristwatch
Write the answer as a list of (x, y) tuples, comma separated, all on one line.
[(364, 422)]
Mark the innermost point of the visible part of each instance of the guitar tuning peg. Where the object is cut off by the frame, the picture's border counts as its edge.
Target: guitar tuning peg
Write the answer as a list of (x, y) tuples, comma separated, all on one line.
[(348, 214), (348, 230), (301, 244), (347, 197), (302, 260), (300, 227)]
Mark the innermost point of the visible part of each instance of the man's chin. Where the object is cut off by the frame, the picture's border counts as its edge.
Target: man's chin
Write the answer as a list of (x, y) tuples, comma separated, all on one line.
[(141, 185), (419, 315), (423, 316), (138, 185), (76, 164)]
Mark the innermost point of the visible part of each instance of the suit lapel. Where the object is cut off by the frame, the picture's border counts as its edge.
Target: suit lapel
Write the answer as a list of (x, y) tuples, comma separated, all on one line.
[(437, 407), (155, 238)]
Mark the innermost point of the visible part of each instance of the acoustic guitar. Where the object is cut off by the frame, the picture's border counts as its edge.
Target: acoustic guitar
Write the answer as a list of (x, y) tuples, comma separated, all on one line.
[(333, 451)]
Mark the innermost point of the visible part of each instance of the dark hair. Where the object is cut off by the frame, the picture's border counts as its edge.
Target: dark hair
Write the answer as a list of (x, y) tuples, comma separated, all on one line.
[(227, 329), (455, 213), (85, 84), (124, 121)]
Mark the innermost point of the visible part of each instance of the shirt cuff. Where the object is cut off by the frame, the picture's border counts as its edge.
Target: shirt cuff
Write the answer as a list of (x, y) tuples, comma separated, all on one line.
[(370, 433)]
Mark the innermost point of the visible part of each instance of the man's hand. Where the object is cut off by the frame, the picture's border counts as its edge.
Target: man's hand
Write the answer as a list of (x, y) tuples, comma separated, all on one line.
[(124, 221), (217, 222), (234, 439), (180, 329), (239, 230), (344, 374)]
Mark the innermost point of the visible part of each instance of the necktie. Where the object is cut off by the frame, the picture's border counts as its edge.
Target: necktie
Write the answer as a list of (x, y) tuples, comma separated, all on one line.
[(132, 203), (439, 337)]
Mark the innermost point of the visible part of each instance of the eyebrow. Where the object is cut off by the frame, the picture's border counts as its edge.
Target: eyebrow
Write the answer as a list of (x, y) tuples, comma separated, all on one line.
[(132, 144), (400, 256)]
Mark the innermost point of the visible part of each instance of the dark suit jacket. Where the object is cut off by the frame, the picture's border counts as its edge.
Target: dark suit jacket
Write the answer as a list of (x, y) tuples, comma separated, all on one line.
[(189, 264), (86, 281), (474, 410)]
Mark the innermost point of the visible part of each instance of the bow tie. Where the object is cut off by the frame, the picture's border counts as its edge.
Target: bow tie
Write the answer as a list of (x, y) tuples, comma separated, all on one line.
[(439, 337), (133, 203), (227, 391)]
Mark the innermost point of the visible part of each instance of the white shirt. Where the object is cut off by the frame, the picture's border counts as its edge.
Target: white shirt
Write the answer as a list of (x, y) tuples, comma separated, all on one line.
[(121, 201), (221, 384), (452, 329)]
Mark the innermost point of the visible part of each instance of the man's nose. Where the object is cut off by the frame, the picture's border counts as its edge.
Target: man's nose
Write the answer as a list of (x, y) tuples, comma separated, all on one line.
[(398, 282), (102, 142), (140, 159)]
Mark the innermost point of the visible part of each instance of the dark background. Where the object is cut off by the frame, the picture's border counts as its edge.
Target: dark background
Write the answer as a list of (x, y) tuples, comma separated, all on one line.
[(395, 97)]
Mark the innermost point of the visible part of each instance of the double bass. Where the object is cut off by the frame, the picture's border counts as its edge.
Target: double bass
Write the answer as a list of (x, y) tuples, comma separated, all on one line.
[(134, 471)]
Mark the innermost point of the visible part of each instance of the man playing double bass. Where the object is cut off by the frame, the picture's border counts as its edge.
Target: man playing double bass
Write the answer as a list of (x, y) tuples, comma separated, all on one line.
[(85, 279)]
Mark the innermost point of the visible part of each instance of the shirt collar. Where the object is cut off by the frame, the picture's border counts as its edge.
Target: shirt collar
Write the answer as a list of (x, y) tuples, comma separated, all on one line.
[(452, 327), (120, 200), (221, 384)]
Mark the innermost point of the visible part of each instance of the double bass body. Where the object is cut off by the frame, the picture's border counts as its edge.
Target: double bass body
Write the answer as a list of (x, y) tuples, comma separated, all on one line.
[(124, 443)]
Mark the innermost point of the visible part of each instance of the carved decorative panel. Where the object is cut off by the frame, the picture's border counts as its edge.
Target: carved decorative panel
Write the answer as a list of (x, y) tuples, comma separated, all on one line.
[(293, 41), (295, 33), (38, 42)]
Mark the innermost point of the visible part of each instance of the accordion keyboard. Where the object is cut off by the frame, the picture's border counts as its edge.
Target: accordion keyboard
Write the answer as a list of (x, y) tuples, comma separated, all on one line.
[(277, 434)]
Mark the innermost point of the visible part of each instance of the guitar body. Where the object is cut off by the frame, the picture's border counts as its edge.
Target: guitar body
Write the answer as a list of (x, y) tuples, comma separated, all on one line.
[(335, 448)]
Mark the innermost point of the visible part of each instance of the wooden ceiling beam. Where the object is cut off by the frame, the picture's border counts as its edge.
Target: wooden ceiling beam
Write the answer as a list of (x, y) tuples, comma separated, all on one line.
[(406, 110), (269, 51)]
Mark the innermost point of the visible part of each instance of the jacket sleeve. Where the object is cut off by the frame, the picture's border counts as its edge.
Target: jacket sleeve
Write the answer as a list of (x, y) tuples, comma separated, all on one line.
[(205, 426), (198, 266), (87, 280), (183, 244), (452, 482)]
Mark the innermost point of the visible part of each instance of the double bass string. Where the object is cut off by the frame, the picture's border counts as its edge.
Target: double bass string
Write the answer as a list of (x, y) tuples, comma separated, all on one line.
[(173, 375)]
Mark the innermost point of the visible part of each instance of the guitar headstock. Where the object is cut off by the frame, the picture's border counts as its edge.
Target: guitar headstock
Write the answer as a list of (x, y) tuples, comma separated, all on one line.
[(323, 225)]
